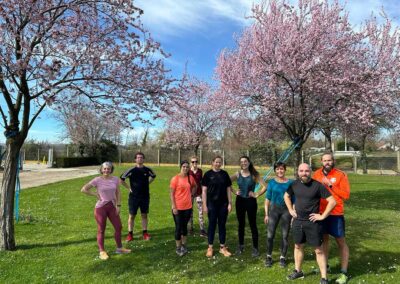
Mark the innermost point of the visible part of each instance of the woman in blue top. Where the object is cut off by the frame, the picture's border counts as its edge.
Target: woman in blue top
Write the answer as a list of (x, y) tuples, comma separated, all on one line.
[(246, 179), (275, 211)]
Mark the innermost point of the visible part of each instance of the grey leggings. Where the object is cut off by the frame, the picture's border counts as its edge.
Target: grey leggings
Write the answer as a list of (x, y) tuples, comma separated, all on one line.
[(277, 213)]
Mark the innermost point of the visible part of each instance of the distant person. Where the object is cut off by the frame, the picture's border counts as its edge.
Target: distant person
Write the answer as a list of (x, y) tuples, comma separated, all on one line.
[(247, 179), (217, 202), (338, 185), (276, 212), (197, 174), (107, 206), (306, 223), (140, 177), (182, 187)]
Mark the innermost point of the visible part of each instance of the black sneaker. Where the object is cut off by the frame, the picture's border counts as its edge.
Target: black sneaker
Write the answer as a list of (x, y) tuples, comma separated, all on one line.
[(240, 249), (203, 234), (323, 281), (282, 262), (268, 261), (184, 250), (255, 252), (295, 275), (179, 251)]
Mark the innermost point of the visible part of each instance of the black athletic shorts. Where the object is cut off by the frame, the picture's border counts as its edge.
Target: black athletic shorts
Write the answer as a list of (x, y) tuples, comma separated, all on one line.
[(307, 231), (135, 203)]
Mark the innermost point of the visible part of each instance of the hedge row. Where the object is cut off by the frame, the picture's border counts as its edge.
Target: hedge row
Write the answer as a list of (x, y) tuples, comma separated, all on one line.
[(67, 162)]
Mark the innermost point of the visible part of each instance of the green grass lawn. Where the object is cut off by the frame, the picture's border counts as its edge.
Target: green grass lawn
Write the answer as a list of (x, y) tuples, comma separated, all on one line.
[(56, 240)]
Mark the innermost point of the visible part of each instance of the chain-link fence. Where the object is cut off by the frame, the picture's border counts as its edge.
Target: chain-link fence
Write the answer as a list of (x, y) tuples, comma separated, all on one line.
[(378, 162)]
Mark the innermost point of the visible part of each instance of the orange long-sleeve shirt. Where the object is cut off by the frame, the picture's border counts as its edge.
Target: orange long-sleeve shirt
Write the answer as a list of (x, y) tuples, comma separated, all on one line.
[(340, 189)]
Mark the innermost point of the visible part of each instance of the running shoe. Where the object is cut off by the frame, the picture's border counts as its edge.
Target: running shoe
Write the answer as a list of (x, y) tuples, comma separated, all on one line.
[(129, 237), (184, 250), (146, 236), (282, 262), (203, 234), (103, 255), (122, 251), (268, 261), (210, 252), (224, 251), (179, 251), (342, 279), (324, 281), (240, 249), (255, 253), (295, 275)]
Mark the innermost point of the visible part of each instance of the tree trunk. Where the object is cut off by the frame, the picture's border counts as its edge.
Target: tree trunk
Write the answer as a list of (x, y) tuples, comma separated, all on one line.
[(328, 139), (363, 160), (7, 239)]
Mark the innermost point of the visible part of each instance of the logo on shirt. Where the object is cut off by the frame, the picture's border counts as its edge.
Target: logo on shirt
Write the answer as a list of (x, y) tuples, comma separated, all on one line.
[(333, 180)]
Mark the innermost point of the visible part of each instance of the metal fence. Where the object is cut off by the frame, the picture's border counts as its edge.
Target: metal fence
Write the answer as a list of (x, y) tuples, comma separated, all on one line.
[(378, 162)]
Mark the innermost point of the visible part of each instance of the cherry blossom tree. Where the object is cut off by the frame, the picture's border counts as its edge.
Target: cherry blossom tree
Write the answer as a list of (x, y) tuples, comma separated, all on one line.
[(52, 52), (96, 127), (299, 65), (193, 118)]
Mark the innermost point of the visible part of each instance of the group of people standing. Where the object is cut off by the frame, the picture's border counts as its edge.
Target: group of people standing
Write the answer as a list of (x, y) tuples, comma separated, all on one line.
[(311, 206)]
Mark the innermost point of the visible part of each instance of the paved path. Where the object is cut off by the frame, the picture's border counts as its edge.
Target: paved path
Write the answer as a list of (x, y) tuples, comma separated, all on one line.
[(36, 175)]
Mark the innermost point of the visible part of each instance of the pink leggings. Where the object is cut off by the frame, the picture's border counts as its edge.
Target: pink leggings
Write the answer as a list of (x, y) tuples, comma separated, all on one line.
[(101, 215)]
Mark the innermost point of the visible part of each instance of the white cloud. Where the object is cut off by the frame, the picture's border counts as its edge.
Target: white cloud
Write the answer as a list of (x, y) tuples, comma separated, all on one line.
[(171, 17), (361, 10)]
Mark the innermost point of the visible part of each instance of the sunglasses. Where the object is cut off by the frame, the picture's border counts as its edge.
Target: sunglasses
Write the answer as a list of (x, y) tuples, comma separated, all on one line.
[(194, 162)]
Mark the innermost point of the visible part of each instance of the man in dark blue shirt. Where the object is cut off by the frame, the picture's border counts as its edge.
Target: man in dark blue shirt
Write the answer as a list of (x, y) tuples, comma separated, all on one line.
[(140, 177), (306, 218)]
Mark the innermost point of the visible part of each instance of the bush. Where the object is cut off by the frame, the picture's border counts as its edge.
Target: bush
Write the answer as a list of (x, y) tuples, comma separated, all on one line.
[(106, 151), (67, 162)]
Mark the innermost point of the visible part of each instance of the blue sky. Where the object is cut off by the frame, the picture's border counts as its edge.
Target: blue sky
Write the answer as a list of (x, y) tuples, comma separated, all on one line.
[(195, 31)]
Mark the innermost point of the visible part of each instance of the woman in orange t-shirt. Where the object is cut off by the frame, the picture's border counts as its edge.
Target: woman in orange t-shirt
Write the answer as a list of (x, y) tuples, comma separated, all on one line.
[(182, 188)]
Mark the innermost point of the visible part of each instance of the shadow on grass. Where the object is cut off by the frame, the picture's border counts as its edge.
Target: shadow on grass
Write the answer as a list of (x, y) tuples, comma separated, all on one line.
[(52, 245), (367, 239), (158, 256), (386, 199)]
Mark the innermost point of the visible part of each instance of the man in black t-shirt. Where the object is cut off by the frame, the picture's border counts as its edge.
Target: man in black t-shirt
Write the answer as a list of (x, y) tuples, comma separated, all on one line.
[(306, 218), (140, 177)]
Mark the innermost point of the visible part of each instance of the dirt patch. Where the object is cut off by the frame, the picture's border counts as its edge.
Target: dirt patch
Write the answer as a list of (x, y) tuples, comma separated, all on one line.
[(37, 174)]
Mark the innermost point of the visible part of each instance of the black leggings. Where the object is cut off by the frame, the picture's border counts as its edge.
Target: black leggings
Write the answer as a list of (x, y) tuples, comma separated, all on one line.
[(217, 214), (248, 205), (277, 213), (181, 220)]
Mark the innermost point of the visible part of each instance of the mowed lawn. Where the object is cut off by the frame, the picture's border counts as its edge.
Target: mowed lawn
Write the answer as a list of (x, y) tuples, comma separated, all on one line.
[(56, 240)]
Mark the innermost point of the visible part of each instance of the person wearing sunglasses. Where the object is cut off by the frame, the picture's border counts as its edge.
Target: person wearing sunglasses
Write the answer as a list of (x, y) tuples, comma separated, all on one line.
[(197, 174)]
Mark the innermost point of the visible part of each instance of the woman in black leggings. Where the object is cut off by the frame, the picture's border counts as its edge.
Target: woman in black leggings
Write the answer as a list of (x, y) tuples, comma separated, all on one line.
[(247, 178), (276, 211)]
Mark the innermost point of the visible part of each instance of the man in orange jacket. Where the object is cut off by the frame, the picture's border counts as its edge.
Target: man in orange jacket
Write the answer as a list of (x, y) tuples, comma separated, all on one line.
[(338, 185)]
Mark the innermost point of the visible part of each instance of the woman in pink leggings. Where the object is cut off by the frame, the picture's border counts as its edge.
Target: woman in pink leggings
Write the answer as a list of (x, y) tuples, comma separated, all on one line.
[(108, 206)]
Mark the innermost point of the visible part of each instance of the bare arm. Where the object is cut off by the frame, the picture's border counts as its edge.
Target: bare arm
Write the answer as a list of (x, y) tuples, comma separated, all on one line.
[(151, 179), (86, 189), (289, 205), (118, 196), (173, 203), (124, 184), (263, 187), (266, 209), (318, 217), (233, 178)]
